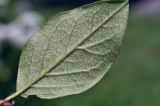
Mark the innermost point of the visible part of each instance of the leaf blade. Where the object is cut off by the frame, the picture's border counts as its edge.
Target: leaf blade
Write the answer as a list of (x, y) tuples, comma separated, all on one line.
[(81, 23)]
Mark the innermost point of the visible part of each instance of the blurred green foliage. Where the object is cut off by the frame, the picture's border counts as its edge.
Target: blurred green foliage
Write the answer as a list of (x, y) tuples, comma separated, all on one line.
[(133, 80)]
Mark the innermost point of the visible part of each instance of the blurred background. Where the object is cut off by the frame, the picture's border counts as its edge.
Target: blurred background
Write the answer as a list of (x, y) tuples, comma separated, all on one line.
[(134, 80)]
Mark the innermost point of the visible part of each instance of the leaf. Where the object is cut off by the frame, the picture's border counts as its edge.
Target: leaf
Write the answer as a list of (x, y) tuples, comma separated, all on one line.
[(73, 50)]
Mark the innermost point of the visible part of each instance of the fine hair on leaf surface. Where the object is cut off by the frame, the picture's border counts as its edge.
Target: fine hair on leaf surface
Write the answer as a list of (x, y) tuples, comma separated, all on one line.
[(72, 51)]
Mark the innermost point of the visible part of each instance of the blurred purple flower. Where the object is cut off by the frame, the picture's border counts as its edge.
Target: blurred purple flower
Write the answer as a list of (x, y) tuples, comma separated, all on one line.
[(3, 2), (6, 103), (147, 8), (21, 29)]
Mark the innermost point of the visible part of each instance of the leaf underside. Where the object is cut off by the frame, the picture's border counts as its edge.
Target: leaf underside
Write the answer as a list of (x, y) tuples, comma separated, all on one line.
[(73, 50)]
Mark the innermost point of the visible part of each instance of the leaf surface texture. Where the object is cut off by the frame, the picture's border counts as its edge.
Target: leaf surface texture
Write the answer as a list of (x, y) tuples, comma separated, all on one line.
[(73, 50)]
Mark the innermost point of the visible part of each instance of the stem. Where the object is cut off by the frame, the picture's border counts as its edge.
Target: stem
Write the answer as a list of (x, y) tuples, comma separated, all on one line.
[(1, 102), (9, 98), (12, 96)]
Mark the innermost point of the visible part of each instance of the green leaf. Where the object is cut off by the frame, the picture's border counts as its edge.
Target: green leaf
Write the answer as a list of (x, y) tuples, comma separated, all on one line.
[(73, 50)]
